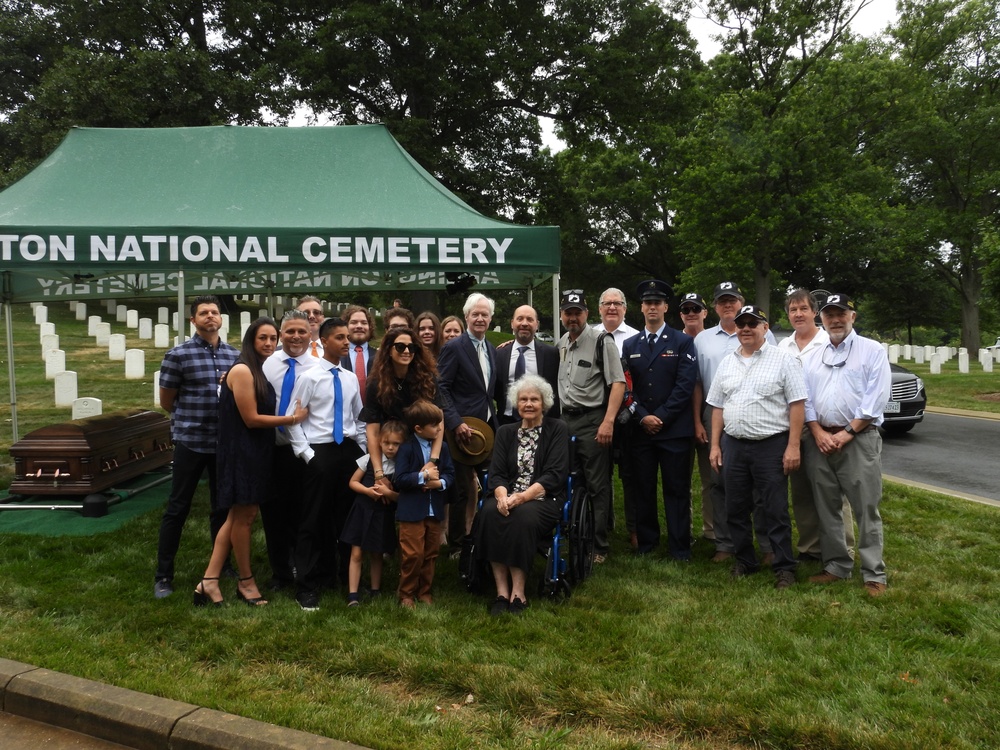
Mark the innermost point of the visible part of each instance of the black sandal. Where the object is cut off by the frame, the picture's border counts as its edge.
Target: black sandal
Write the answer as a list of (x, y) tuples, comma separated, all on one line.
[(259, 601), (201, 599)]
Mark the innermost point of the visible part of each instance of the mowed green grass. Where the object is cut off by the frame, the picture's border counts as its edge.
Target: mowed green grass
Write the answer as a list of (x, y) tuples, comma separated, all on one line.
[(647, 653)]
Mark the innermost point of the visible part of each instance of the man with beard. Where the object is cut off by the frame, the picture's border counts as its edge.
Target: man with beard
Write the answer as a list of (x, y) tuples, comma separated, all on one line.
[(360, 355), (526, 355)]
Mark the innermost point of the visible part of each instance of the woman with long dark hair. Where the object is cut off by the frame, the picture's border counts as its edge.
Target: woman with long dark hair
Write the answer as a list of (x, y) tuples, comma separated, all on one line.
[(428, 327), (403, 372), (243, 459)]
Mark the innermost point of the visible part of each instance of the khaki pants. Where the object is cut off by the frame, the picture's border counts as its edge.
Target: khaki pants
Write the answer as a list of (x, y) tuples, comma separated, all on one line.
[(419, 543)]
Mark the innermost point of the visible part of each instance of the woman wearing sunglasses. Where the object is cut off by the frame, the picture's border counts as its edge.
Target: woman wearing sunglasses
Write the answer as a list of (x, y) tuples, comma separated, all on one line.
[(403, 372)]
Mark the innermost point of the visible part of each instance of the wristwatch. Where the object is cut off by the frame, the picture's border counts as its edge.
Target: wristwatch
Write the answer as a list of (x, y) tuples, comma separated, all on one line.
[(850, 429)]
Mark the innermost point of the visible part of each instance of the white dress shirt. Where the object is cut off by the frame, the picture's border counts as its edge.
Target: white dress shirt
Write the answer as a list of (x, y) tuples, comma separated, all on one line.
[(275, 368), (847, 382), (314, 389), (821, 339), (621, 334), (530, 368)]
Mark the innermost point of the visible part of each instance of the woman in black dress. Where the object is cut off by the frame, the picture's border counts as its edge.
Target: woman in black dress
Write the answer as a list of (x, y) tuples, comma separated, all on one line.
[(527, 483), (243, 459)]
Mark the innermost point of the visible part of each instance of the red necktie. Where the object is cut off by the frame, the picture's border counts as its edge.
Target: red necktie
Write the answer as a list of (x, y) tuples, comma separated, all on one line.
[(359, 370)]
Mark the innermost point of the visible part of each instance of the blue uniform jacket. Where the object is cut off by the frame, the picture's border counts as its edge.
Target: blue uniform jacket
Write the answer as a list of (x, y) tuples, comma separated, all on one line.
[(663, 380)]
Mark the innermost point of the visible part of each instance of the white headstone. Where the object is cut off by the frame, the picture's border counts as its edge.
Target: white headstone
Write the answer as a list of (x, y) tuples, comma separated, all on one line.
[(72, 305), (262, 313), (963, 361), (161, 336), (929, 352), (223, 334), (145, 328), (918, 355), (943, 354), (907, 351), (102, 333), (33, 305), (243, 330), (81, 311), (156, 388), (279, 310), (135, 364), (952, 352), (41, 314), (87, 407), (65, 388), (121, 313), (49, 343), (935, 365), (92, 322), (245, 320), (225, 320), (163, 315), (55, 362), (116, 347), (987, 365), (962, 350), (894, 353), (110, 305), (131, 318), (174, 322), (46, 329)]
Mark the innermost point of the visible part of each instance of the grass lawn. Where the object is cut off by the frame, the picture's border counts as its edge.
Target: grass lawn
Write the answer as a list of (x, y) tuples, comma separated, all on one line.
[(647, 653)]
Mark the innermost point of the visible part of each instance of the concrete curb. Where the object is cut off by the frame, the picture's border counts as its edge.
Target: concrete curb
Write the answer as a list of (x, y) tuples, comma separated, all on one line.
[(137, 720), (963, 412)]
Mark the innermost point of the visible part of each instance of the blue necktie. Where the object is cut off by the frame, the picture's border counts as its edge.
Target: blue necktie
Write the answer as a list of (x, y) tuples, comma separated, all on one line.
[(519, 366), (338, 408), (286, 389), (651, 341)]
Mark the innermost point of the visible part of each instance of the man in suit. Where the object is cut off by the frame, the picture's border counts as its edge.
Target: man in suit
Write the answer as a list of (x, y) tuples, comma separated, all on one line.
[(360, 329), (467, 375), (313, 307), (524, 356), (664, 370)]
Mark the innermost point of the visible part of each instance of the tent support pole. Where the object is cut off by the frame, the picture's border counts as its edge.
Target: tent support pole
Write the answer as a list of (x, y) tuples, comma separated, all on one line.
[(9, 325), (181, 329), (556, 320)]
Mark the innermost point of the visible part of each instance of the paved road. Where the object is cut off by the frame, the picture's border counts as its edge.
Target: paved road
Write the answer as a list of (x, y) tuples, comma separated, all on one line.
[(19, 733), (954, 453)]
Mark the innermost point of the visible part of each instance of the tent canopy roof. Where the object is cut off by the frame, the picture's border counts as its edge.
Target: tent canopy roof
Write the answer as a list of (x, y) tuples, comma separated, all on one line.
[(116, 211)]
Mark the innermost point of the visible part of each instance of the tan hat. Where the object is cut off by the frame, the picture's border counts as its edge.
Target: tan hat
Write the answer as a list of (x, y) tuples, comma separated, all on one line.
[(480, 445)]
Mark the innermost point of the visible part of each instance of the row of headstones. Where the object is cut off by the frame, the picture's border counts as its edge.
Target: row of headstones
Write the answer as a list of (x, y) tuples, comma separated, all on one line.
[(937, 356)]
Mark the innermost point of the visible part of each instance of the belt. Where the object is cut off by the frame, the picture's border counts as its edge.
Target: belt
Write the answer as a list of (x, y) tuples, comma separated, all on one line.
[(577, 412), (835, 430)]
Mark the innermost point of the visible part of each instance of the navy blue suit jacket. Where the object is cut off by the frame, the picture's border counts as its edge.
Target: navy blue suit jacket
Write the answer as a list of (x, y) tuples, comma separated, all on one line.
[(460, 381), (348, 362), (547, 359), (413, 499), (663, 380)]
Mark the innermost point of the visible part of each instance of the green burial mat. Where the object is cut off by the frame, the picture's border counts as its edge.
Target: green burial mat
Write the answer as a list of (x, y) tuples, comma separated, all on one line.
[(68, 522)]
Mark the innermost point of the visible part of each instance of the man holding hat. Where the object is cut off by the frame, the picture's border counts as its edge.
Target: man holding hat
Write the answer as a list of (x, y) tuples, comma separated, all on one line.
[(664, 369), (713, 345), (849, 383), (591, 388), (758, 398)]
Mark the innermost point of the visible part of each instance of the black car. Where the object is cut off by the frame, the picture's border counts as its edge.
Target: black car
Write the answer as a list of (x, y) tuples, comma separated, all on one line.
[(906, 404)]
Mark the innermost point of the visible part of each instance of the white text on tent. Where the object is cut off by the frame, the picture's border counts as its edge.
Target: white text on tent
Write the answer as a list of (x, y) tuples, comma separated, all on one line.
[(465, 250)]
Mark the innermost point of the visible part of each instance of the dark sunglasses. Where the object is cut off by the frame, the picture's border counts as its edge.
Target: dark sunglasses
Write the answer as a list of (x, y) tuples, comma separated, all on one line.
[(401, 347), (690, 310), (752, 323)]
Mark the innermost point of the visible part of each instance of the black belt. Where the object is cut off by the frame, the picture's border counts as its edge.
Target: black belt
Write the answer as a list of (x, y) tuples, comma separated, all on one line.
[(577, 412)]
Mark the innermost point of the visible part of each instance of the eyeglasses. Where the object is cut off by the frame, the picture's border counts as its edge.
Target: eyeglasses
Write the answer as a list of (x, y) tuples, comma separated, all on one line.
[(612, 304), (400, 347), (314, 313), (752, 323), (690, 310), (840, 362)]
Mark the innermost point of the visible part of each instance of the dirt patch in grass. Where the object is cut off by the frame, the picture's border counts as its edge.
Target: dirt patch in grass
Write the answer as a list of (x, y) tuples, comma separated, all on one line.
[(988, 397)]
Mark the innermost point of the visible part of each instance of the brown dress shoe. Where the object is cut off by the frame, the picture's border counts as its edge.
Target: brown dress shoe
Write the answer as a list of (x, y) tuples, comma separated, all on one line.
[(426, 599), (722, 556), (767, 559), (874, 588), (825, 577)]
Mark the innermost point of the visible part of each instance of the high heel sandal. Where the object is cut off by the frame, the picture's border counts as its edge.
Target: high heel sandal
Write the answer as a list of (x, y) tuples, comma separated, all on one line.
[(259, 601), (201, 599)]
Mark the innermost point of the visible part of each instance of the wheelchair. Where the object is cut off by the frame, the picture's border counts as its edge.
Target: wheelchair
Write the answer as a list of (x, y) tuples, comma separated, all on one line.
[(568, 555)]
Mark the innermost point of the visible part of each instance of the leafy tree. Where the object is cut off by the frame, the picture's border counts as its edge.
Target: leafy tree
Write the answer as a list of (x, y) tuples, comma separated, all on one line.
[(943, 146)]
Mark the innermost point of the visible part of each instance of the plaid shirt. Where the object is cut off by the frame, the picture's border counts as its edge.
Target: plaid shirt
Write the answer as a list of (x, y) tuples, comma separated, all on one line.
[(194, 369)]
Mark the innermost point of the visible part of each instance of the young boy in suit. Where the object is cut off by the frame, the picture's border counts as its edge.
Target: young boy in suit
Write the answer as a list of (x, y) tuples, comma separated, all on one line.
[(421, 484)]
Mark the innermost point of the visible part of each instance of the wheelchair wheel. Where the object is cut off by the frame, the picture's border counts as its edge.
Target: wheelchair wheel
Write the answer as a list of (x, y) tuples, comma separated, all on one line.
[(581, 536), (554, 586)]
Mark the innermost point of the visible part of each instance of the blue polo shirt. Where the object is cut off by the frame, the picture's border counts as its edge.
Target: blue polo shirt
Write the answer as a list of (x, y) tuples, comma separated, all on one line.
[(194, 369)]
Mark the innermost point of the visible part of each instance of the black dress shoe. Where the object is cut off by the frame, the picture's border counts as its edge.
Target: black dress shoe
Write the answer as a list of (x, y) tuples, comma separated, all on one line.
[(500, 606)]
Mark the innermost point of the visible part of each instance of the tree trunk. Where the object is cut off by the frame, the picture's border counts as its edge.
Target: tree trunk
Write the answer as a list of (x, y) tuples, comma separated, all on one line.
[(762, 288), (971, 280)]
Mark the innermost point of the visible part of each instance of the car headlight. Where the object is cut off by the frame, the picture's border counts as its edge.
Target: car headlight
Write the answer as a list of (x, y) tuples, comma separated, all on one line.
[(920, 385)]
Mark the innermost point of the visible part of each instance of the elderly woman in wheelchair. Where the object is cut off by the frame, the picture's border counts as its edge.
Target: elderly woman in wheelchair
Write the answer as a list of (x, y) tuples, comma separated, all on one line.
[(527, 488)]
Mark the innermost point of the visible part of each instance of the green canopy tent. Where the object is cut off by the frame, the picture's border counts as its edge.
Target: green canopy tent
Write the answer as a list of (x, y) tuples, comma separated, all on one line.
[(238, 210)]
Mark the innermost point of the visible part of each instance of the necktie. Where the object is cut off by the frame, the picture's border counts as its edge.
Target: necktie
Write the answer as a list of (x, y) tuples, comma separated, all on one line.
[(651, 340), (484, 364), (315, 349), (286, 389), (519, 366), (359, 369), (338, 408)]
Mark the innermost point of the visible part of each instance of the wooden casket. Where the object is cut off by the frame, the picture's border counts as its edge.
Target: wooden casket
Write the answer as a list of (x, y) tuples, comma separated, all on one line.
[(90, 455)]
